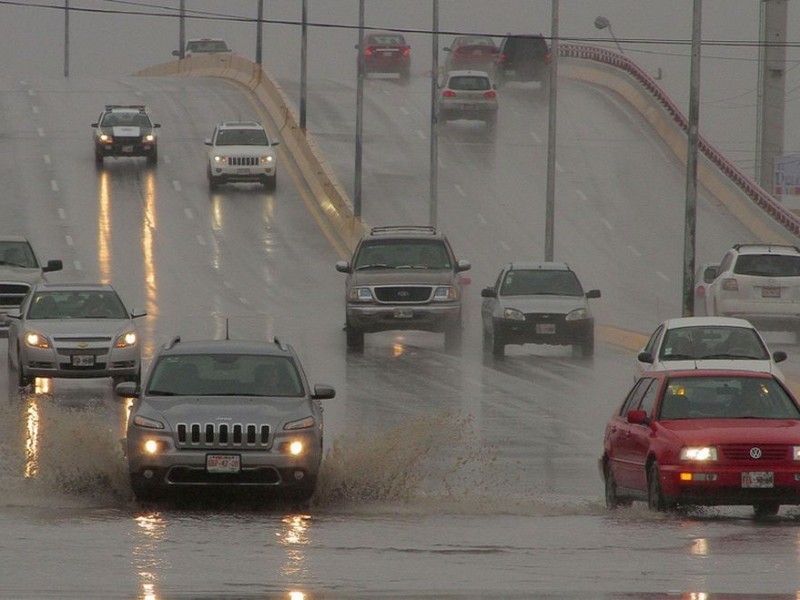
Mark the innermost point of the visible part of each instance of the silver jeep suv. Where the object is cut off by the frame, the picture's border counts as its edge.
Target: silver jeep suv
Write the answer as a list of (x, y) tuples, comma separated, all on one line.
[(225, 414), (403, 278), (241, 151)]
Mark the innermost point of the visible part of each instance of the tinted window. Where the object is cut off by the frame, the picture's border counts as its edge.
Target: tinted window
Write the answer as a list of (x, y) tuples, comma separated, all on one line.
[(469, 83), (242, 137), (387, 40), (712, 342), (403, 254), (768, 265), (527, 282), (77, 305), (17, 254)]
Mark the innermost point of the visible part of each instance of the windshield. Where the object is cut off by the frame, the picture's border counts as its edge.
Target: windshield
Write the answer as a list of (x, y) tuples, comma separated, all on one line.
[(225, 375), (242, 137), (712, 342), (531, 282), (404, 254), (126, 119), (17, 254), (87, 304), (726, 397)]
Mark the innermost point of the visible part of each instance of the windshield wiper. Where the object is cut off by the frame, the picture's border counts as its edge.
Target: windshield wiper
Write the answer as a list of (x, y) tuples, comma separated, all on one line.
[(163, 393), (374, 266)]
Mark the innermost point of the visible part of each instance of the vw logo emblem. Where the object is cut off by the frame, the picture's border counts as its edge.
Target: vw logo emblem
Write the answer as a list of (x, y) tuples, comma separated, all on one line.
[(755, 452), (83, 345), (404, 294)]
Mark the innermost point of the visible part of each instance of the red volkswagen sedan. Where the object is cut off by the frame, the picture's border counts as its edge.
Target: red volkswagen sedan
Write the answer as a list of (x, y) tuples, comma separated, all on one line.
[(704, 437)]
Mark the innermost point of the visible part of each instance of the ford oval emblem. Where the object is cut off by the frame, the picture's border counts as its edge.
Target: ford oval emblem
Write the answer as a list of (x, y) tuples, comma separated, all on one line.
[(755, 453), (404, 294)]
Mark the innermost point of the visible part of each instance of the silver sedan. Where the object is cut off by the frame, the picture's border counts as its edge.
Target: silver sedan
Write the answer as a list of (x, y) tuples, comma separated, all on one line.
[(73, 331)]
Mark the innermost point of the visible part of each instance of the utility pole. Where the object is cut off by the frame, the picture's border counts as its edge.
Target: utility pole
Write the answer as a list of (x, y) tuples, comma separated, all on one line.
[(434, 177), (772, 90), (691, 164), (66, 38), (259, 33), (359, 113), (182, 30), (550, 201), (303, 66)]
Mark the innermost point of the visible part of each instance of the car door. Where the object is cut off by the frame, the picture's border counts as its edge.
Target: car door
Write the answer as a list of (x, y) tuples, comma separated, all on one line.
[(627, 437), (637, 440), (489, 305)]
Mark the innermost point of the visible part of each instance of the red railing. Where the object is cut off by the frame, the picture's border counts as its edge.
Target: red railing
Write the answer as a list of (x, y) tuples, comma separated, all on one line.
[(753, 191)]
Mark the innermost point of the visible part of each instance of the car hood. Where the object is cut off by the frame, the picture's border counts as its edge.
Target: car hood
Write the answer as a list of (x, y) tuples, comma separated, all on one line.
[(403, 277), (224, 409), (17, 274), (735, 431), (67, 328), (544, 304), (243, 150)]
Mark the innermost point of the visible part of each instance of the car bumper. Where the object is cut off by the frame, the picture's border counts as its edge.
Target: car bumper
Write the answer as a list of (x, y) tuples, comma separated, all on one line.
[(125, 149), (561, 333), (776, 313), (59, 362), (175, 466), (372, 319), (243, 173), (386, 66), (727, 488)]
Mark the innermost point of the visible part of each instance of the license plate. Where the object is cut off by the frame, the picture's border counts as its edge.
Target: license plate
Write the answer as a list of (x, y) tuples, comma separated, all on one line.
[(771, 292), (547, 328), (127, 148), (243, 171), (758, 479), (83, 360), (223, 463), (403, 313)]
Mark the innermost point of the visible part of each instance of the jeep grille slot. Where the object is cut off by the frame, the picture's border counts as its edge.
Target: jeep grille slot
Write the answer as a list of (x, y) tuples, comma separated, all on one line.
[(404, 293), (11, 294), (243, 161), (222, 435)]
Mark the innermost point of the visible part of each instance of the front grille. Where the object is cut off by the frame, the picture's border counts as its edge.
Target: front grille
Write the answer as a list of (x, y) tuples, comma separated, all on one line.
[(180, 475), (243, 161), (222, 435), (544, 318), (404, 293), (85, 339), (742, 452), (11, 294)]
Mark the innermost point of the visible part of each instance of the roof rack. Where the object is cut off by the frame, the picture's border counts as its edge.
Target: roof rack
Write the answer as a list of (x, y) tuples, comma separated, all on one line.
[(139, 107), (279, 343), (769, 246), (384, 229)]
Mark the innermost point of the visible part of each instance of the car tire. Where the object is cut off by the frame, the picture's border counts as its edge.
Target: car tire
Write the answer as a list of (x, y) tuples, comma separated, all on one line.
[(498, 345), (355, 338), (23, 380), (655, 497), (270, 183), (766, 509), (453, 337), (587, 346), (613, 500), (98, 158), (213, 182), (152, 158), (144, 490)]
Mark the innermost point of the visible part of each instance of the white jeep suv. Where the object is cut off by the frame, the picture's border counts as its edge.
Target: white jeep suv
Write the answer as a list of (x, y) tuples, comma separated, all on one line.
[(758, 282), (241, 151)]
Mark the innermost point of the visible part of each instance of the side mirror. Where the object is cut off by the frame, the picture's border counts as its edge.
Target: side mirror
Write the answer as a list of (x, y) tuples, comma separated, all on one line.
[(343, 267), (638, 417), (275, 144), (779, 356), (53, 265), (593, 294), (645, 357), (488, 292), (156, 125), (176, 53), (135, 313), (207, 142), (94, 124), (127, 389), (463, 265), (323, 391)]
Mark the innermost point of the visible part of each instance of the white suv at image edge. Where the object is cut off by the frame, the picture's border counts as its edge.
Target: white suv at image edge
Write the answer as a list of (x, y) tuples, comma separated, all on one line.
[(241, 151)]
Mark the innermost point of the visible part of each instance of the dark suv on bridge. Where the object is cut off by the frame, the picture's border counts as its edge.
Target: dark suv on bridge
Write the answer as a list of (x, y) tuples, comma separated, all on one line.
[(403, 278), (524, 58)]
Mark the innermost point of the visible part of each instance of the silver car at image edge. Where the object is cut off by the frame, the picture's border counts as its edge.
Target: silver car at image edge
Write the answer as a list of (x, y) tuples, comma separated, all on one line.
[(224, 414)]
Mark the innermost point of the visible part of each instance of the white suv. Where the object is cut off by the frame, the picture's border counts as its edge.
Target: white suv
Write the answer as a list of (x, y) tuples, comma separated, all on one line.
[(241, 151), (468, 95), (759, 282)]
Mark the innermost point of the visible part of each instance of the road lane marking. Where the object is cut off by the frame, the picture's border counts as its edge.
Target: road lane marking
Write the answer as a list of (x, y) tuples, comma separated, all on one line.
[(460, 190), (69, 240), (46, 158), (189, 213), (634, 251), (581, 195), (61, 213), (482, 220), (660, 274), (54, 185), (608, 225), (201, 240), (176, 184)]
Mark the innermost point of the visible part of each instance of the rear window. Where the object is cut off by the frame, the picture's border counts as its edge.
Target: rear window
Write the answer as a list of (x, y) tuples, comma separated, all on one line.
[(387, 40), (532, 45), (207, 46), (469, 83), (768, 265)]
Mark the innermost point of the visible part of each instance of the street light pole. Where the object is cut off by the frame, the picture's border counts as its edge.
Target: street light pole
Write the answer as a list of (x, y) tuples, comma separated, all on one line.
[(691, 165), (259, 20), (359, 113), (303, 66), (603, 23), (551, 140), (66, 38), (434, 183)]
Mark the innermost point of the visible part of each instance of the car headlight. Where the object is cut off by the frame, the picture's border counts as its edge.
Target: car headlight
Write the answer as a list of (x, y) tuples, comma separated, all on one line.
[(301, 424), (150, 138), (36, 340), (221, 159), (125, 340), (796, 452), (445, 293), (577, 315), (106, 138), (361, 294), (699, 453), (267, 159), (147, 422), (513, 314)]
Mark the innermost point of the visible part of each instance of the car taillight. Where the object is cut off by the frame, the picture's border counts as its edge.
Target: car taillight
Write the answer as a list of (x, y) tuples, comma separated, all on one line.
[(406, 51), (730, 285), (548, 57), (490, 94), (368, 51), (449, 94), (501, 59)]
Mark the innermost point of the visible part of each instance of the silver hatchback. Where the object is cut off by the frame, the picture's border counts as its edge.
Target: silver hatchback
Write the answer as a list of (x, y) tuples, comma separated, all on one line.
[(468, 95)]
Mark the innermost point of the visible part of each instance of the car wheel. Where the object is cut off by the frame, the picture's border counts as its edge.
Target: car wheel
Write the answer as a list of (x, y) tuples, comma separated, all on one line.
[(152, 158), (98, 158), (213, 182), (144, 490), (22, 379), (498, 345), (587, 346), (355, 338), (302, 494), (655, 498), (766, 509), (270, 183), (612, 499), (453, 337)]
